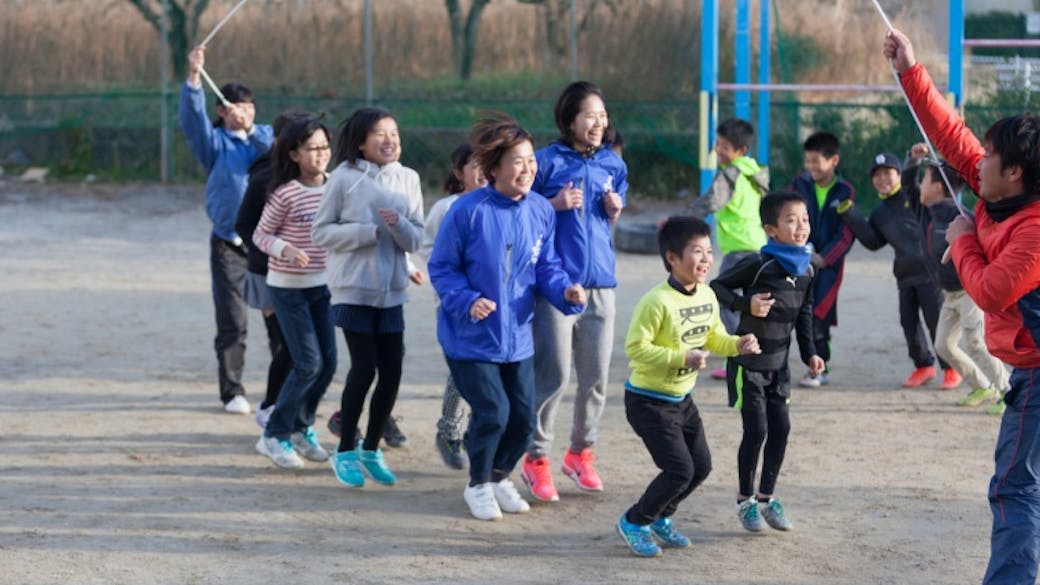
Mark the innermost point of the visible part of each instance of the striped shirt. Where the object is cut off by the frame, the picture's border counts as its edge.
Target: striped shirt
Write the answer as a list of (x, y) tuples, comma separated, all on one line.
[(287, 219)]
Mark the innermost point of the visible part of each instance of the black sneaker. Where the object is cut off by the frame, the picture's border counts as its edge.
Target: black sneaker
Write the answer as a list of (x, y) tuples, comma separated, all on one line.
[(392, 435), (335, 425), (451, 452)]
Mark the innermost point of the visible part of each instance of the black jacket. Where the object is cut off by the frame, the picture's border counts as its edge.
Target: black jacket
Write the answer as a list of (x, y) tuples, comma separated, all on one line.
[(252, 208), (792, 310), (937, 219)]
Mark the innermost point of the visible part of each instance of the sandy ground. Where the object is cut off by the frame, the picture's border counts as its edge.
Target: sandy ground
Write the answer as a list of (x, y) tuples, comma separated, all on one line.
[(118, 466)]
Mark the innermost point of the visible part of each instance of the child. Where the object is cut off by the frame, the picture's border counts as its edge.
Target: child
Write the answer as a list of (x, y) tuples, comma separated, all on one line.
[(960, 318), (465, 176), (896, 221), (371, 215), (734, 197), (493, 252), (772, 291), (225, 148), (296, 283), (823, 190), (673, 327), (586, 183)]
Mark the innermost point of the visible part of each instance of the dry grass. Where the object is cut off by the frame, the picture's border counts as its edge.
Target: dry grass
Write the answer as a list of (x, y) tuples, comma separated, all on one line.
[(650, 49)]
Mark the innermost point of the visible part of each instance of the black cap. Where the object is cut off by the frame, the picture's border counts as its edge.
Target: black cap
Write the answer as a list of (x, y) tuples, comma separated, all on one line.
[(885, 159)]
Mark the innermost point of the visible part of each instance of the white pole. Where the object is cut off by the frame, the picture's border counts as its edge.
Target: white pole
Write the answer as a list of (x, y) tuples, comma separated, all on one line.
[(572, 35), (214, 87), (223, 21), (367, 39)]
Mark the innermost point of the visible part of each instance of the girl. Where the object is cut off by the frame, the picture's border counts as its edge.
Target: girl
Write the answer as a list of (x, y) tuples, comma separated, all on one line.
[(586, 183), (494, 250), (371, 217), (225, 148), (465, 176), (296, 282)]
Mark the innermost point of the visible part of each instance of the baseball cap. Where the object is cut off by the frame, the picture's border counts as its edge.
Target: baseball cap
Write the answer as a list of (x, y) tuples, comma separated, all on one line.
[(885, 159)]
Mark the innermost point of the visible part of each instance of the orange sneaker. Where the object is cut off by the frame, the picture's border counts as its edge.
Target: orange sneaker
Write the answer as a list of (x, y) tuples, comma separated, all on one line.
[(537, 474), (920, 376), (951, 379), (578, 466)]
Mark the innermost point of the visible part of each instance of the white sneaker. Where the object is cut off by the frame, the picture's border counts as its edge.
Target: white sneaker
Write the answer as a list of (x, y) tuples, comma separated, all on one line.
[(238, 405), (810, 381), (508, 498), (481, 502), (281, 452), (263, 415), (306, 442)]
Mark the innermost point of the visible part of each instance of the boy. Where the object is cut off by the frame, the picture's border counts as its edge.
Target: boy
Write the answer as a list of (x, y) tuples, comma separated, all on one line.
[(896, 221), (673, 327), (823, 190), (998, 262), (776, 297), (959, 317)]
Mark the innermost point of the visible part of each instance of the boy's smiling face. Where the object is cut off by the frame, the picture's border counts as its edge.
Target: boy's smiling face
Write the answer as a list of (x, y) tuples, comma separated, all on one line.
[(792, 225), (821, 167), (692, 267)]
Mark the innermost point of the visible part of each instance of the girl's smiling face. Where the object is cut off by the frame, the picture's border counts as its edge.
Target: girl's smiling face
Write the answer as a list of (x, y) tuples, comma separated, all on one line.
[(383, 144)]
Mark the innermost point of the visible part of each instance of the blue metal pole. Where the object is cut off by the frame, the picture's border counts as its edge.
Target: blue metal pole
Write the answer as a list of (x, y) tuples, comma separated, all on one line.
[(709, 88), (742, 50), (765, 53), (956, 51)]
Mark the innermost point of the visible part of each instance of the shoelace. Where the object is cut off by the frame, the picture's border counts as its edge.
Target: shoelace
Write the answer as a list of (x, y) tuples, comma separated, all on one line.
[(776, 508), (751, 511)]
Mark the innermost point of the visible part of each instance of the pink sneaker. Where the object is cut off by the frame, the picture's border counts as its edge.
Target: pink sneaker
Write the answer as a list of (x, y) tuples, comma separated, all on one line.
[(719, 374), (578, 466), (537, 474)]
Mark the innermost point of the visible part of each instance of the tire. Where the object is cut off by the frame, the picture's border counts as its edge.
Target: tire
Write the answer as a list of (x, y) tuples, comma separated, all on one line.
[(636, 238)]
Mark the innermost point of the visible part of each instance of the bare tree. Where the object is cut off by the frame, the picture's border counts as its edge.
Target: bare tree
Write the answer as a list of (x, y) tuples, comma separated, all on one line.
[(182, 26), (555, 18), (464, 34)]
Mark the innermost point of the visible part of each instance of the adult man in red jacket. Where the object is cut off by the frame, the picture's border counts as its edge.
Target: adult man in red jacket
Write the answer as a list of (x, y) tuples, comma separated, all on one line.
[(998, 260)]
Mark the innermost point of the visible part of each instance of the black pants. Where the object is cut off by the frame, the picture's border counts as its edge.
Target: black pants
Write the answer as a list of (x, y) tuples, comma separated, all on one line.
[(762, 398), (914, 301), (674, 435), (281, 361), (822, 338), (227, 265), (369, 354)]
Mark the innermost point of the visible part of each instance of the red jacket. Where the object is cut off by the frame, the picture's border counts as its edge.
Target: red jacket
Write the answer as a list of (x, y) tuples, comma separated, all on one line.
[(999, 265)]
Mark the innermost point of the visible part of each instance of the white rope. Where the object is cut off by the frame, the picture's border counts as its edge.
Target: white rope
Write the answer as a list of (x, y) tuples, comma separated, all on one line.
[(223, 21), (214, 87)]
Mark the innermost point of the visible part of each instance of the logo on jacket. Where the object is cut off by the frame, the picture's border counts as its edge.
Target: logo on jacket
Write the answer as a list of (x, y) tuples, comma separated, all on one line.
[(536, 249), (792, 280)]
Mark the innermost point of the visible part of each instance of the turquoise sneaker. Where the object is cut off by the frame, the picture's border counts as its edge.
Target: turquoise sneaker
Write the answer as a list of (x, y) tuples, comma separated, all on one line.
[(638, 538), (750, 519), (375, 465), (347, 469), (664, 531), (774, 515)]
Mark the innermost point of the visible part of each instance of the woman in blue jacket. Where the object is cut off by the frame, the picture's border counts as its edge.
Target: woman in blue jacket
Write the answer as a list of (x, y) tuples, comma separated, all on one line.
[(493, 252)]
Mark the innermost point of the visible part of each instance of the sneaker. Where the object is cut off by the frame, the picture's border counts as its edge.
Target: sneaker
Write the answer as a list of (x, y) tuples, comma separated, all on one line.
[(392, 435), (750, 519), (997, 408), (664, 531), (481, 501), (978, 396), (951, 379), (638, 538), (451, 451), (719, 374), (538, 478), (280, 451), (578, 466), (375, 465), (774, 515), (508, 498), (263, 415), (347, 469), (810, 381), (237, 405), (335, 423), (306, 442), (919, 377)]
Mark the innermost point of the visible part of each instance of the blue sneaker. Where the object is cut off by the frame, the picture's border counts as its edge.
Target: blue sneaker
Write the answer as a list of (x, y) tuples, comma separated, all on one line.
[(375, 466), (664, 531), (773, 512), (750, 519), (638, 538), (347, 469)]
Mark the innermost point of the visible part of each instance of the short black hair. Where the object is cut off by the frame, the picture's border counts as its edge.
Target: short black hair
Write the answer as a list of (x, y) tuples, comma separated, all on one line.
[(1017, 140), (955, 178), (676, 232), (234, 93), (738, 132), (824, 143), (773, 203)]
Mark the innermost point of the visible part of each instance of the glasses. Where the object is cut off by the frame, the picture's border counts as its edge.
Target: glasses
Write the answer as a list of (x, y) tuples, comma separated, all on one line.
[(317, 148)]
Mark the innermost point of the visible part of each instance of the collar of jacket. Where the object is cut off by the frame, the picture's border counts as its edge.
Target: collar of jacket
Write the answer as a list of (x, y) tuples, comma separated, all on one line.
[(1005, 208), (372, 169)]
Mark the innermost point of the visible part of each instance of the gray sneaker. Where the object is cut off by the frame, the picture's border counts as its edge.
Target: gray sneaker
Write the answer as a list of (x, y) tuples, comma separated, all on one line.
[(774, 515), (750, 519), (280, 451), (306, 444), (451, 451)]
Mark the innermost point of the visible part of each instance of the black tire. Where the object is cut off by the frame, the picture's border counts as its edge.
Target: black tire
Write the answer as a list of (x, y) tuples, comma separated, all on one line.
[(636, 238)]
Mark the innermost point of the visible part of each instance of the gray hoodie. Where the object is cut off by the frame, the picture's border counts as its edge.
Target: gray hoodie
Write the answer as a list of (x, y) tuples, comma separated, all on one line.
[(367, 263)]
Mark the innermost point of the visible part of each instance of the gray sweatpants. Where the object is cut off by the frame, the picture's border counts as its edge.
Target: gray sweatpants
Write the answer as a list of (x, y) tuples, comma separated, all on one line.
[(586, 340), (960, 323)]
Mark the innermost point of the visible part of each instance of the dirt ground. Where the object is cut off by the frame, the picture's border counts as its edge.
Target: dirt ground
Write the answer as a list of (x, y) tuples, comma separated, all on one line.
[(117, 464)]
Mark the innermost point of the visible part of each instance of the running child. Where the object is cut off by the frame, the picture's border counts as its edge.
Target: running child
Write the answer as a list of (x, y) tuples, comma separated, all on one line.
[(673, 328)]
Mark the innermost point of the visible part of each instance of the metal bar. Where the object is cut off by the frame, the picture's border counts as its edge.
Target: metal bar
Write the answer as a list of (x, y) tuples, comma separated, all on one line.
[(1000, 42), (709, 88), (765, 52), (572, 38), (956, 51), (807, 87), (742, 51), (367, 39)]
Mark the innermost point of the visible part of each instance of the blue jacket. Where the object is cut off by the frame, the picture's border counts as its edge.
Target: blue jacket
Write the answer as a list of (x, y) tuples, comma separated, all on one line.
[(226, 158), (493, 247), (583, 235)]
